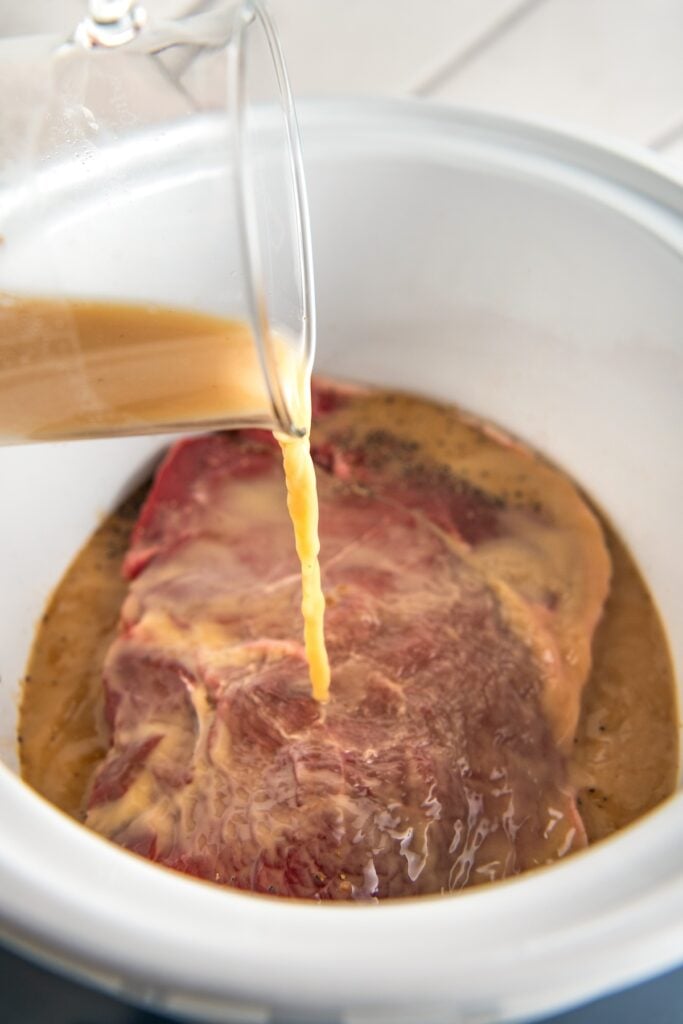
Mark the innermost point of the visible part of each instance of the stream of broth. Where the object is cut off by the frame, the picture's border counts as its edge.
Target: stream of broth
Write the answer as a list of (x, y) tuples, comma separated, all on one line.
[(625, 754)]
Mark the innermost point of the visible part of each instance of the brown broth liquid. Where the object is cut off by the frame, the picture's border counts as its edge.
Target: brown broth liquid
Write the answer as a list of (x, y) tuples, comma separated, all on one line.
[(625, 754), (83, 369)]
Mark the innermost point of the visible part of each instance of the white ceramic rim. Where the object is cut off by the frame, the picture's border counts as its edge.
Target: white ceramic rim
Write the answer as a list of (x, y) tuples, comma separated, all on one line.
[(522, 946)]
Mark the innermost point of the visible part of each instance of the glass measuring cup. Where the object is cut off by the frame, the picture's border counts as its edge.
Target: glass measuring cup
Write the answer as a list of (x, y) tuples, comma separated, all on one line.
[(109, 137)]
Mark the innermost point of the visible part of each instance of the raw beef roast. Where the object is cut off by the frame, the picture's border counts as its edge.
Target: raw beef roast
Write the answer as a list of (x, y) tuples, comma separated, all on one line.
[(439, 761)]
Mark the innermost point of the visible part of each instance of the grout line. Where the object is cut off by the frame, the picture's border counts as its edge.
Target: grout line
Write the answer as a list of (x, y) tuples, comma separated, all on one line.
[(670, 136), (452, 67)]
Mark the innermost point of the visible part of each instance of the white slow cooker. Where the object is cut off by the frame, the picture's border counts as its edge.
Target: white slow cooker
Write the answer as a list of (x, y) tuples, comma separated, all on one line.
[(531, 277)]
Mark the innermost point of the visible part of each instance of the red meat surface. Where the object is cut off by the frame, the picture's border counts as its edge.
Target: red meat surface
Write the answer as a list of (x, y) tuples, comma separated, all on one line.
[(436, 763)]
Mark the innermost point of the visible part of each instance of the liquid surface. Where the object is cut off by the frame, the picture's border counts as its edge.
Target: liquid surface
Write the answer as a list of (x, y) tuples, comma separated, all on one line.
[(624, 754)]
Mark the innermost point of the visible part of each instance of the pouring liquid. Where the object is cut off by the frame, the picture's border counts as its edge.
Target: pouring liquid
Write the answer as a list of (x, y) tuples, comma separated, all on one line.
[(302, 503), (92, 369)]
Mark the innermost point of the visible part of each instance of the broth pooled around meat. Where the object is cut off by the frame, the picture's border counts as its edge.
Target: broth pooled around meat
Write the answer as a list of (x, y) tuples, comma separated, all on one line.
[(465, 579)]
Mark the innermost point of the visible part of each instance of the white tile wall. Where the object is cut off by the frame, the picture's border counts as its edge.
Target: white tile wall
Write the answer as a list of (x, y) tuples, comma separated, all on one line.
[(615, 65), (612, 66), (377, 46)]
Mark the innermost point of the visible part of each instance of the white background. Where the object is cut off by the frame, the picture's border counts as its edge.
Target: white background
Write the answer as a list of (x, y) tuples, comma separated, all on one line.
[(610, 66)]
